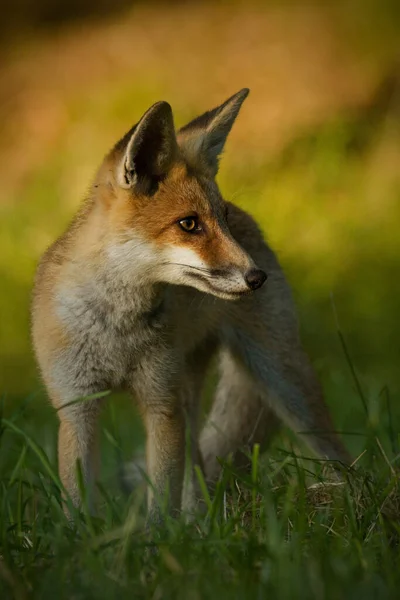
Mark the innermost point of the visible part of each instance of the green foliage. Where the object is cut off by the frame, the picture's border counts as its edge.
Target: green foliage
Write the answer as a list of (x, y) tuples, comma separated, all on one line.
[(283, 531)]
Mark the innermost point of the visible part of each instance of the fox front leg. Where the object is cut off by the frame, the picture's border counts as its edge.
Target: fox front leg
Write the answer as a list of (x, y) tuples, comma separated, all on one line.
[(78, 441), (160, 402), (165, 458)]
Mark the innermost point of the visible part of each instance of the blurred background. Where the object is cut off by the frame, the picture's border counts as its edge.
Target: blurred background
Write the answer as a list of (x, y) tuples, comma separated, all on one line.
[(314, 155)]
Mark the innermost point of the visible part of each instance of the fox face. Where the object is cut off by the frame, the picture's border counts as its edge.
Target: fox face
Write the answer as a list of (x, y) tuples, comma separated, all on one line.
[(167, 219)]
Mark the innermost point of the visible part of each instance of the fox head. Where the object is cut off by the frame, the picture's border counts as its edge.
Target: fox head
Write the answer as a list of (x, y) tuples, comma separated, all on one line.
[(167, 221)]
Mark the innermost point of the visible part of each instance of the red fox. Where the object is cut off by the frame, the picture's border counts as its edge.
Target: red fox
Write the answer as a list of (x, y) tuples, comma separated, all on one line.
[(157, 274)]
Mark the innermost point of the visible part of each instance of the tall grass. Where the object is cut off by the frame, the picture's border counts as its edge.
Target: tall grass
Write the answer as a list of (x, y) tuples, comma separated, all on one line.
[(284, 530)]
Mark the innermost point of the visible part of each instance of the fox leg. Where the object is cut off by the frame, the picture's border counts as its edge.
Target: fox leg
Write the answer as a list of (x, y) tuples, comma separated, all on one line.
[(169, 391), (196, 369), (293, 392), (165, 458), (297, 397), (78, 441), (157, 385), (238, 419), (193, 457)]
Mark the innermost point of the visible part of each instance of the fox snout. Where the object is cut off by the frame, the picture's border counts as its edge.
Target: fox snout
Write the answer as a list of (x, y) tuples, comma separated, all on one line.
[(229, 283), (242, 276), (255, 278)]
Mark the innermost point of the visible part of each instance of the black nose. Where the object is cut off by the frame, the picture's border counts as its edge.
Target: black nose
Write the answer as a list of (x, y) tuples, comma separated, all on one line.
[(255, 278)]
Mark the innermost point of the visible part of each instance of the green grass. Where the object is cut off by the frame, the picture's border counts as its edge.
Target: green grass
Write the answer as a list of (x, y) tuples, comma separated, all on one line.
[(266, 534)]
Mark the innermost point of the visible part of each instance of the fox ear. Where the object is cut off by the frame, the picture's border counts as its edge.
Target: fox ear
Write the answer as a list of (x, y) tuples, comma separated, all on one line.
[(203, 139), (149, 149)]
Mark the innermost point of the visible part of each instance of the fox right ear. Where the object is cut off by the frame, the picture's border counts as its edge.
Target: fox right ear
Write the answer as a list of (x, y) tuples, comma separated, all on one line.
[(149, 150), (203, 139)]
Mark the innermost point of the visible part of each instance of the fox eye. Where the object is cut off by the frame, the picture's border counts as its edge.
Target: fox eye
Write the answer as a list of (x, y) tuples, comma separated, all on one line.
[(190, 224)]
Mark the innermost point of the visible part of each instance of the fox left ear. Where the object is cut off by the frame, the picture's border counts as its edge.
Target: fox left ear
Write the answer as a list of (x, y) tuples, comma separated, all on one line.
[(149, 150), (203, 139)]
